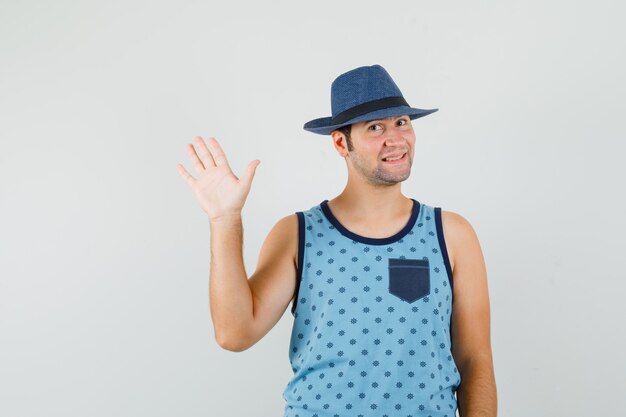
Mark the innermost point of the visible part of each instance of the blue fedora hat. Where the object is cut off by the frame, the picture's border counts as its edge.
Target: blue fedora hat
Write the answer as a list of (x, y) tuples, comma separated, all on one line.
[(362, 94)]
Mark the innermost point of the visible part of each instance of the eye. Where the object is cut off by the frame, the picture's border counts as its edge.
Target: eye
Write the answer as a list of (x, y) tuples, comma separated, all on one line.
[(374, 125), (403, 120)]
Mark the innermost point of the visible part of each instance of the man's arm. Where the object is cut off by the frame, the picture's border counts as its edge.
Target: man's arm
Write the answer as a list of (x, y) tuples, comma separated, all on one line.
[(230, 298), (244, 310), (470, 325)]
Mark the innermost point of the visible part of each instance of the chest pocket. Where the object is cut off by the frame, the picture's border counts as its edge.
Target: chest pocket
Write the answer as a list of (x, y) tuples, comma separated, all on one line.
[(409, 279)]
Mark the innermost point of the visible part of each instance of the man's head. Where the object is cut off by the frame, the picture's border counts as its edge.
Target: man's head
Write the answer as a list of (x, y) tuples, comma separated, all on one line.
[(370, 121), (366, 147)]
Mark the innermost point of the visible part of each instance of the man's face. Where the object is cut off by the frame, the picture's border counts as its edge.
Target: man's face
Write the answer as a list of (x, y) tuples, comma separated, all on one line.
[(375, 140)]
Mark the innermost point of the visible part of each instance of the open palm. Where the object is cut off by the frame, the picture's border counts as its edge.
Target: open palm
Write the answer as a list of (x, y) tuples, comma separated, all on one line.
[(218, 190)]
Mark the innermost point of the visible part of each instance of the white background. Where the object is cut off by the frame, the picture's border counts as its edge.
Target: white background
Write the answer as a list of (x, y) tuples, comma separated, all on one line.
[(104, 251)]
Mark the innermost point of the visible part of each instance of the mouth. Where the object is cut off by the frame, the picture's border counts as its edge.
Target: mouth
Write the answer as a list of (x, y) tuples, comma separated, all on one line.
[(395, 160)]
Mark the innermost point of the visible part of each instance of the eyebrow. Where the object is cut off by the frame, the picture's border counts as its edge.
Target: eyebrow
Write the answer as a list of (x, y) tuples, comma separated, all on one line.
[(386, 118)]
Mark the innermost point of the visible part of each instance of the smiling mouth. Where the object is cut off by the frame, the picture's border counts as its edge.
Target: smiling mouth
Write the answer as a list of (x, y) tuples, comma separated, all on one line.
[(395, 161)]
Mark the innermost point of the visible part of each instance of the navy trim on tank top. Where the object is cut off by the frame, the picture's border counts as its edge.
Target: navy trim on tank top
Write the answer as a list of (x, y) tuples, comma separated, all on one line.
[(370, 240), (300, 258), (442, 245)]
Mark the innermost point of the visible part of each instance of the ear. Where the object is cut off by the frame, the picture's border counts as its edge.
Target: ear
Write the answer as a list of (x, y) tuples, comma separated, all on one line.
[(340, 142)]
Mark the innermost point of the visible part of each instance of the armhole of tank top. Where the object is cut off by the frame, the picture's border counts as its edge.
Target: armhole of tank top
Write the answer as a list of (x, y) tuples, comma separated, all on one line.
[(300, 259), (442, 246)]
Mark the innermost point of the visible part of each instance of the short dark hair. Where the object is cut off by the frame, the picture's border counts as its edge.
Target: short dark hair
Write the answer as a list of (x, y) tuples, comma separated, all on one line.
[(346, 131)]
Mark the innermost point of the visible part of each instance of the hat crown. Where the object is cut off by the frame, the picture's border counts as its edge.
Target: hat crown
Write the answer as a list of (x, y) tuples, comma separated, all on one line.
[(359, 86)]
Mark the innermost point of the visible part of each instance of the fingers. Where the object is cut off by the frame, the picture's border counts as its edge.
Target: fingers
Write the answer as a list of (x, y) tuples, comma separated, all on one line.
[(218, 154), (205, 155), (209, 156), (185, 175), (193, 156)]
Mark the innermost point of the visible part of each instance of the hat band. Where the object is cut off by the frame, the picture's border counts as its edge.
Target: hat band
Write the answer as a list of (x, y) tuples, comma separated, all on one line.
[(367, 107)]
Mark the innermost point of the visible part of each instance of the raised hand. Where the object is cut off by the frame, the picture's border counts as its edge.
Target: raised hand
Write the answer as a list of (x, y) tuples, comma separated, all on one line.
[(219, 192)]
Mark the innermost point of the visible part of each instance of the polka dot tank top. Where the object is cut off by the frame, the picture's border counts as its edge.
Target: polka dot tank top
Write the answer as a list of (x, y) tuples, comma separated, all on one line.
[(371, 329)]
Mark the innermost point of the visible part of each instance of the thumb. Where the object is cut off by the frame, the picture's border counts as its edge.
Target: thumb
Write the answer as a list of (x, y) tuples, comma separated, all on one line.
[(250, 171)]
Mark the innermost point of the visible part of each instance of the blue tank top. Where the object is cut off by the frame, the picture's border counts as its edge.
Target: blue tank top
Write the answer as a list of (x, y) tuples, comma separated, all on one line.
[(371, 329)]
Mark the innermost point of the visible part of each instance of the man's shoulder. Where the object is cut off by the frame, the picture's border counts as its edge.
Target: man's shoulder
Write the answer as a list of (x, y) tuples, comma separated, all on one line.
[(288, 226), (458, 232), (286, 223), (284, 232), (454, 221)]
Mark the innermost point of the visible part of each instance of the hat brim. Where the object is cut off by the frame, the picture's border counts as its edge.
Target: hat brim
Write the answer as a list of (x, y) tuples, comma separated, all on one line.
[(322, 125)]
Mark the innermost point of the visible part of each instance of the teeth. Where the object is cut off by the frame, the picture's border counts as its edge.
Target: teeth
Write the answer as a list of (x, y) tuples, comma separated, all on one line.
[(394, 159)]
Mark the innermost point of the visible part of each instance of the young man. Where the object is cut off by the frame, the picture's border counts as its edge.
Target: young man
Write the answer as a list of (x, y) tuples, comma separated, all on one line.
[(390, 299)]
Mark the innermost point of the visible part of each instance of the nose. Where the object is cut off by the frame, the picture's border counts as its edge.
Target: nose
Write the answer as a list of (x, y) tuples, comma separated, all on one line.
[(395, 137)]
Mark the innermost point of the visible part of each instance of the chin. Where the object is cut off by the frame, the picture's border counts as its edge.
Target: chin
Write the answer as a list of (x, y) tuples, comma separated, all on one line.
[(394, 180)]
